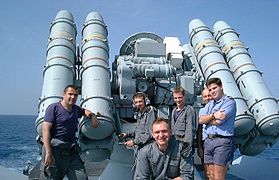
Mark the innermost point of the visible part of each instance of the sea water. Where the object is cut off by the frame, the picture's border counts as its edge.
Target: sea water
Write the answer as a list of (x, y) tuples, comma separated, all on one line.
[(17, 141)]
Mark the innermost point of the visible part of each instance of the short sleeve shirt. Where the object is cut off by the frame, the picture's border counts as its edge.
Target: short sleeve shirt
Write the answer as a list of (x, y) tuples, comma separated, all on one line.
[(226, 128), (64, 122), (202, 112)]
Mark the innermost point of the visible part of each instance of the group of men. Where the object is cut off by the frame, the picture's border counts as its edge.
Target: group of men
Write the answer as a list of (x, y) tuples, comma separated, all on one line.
[(169, 155), (163, 149), (166, 156)]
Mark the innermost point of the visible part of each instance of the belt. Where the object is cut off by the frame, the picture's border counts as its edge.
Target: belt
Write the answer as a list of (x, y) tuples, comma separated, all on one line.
[(212, 136), (74, 149)]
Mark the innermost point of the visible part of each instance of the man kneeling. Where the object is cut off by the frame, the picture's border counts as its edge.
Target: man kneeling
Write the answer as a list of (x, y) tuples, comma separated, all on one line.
[(163, 159)]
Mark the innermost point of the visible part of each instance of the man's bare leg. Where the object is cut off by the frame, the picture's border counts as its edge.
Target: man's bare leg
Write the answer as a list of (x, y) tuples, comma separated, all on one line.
[(206, 175), (219, 171), (209, 171)]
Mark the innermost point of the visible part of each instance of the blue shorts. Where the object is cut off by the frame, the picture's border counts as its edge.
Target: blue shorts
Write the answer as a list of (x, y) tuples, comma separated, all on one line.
[(218, 151)]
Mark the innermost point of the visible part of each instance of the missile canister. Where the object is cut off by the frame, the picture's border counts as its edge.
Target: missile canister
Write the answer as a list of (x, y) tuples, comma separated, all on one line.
[(261, 103), (212, 64), (96, 90), (59, 70)]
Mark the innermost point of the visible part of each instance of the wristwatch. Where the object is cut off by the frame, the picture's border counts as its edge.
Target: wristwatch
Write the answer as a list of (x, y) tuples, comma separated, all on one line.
[(213, 117), (91, 115)]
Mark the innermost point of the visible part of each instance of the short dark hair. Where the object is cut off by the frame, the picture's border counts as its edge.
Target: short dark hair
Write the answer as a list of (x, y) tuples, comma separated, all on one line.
[(70, 86), (214, 81), (179, 89), (160, 120)]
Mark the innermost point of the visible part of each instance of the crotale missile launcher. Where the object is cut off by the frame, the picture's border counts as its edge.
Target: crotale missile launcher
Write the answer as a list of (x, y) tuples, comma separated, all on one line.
[(154, 65)]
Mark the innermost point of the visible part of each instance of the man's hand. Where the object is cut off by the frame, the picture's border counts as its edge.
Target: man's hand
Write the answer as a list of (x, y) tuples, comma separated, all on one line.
[(215, 122), (220, 115), (90, 115), (48, 159), (95, 121), (129, 143)]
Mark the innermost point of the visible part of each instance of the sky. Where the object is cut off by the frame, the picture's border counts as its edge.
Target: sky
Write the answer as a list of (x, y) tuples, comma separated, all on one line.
[(24, 31)]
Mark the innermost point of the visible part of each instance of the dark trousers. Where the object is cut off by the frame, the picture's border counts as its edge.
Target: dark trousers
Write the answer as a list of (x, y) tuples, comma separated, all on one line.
[(66, 162)]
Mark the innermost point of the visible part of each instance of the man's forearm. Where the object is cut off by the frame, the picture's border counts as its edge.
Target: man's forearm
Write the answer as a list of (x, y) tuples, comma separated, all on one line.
[(89, 114), (206, 118), (46, 141), (214, 122)]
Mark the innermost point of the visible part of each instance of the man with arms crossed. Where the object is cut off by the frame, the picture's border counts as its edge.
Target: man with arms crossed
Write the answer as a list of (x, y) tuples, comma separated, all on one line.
[(219, 118), (60, 155), (164, 158)]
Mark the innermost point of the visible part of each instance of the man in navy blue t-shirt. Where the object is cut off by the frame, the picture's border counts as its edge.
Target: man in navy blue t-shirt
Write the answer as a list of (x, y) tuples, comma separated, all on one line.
[(60, 155)]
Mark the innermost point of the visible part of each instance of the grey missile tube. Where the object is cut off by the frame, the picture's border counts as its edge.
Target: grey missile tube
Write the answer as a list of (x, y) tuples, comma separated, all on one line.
[(262, 104), (213, 64), (59, 69), (96, 90)]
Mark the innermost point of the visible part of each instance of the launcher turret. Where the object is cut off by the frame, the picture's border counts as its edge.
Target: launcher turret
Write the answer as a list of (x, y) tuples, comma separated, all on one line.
[(154, 65)]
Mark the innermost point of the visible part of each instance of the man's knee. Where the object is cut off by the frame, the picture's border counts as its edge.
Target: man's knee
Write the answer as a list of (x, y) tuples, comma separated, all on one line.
[(209, 171)]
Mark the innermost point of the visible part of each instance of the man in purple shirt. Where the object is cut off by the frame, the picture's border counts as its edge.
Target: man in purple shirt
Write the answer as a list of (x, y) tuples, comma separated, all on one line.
[(60, 155), (219, 116)]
